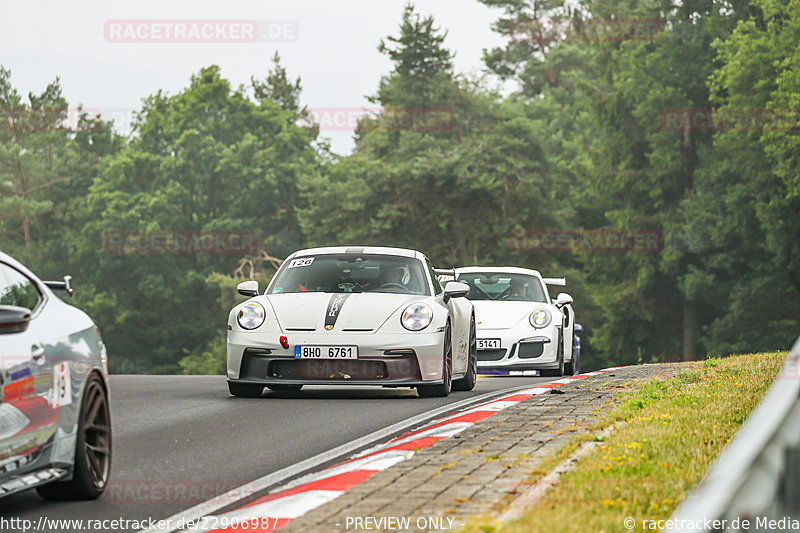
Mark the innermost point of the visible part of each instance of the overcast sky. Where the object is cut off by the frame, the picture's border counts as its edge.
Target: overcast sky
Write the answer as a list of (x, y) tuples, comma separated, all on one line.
[(331, 45)]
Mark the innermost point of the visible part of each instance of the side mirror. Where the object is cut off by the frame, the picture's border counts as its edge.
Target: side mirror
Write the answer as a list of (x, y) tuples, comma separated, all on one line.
[(13, 319), (563, 299), (248, 288), (65, 285), (455, 289)]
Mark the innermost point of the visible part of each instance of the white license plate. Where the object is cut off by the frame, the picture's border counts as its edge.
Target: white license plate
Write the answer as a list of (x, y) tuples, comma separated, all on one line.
[(488, 344), (325, 352)]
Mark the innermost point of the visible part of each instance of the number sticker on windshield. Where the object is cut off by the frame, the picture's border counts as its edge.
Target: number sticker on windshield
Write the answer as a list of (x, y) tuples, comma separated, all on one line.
[(304, 262)]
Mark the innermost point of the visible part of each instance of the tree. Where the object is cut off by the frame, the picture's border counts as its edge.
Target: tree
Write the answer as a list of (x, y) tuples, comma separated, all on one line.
[(741, 215), (278, 88), (49, 155), (422, 65), (443, 168), (204, 161), (535, 54), (633, 173), (33, 155)]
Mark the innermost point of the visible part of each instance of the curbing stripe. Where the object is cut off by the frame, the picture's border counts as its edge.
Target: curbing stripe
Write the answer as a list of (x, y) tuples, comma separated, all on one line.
[(209, 508), (275, 510)]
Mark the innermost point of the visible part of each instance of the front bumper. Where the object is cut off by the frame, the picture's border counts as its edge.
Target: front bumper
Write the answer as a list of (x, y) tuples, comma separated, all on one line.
[(526, 350), (415, 359)]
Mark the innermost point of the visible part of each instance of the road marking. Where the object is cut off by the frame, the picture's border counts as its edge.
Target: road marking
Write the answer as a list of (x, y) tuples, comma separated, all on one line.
[(279, 508), (254, 487), (268, 513)]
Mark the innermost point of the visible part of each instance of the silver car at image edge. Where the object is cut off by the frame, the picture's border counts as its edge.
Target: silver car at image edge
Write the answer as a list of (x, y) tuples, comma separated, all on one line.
[(348, 316), (55, 425)]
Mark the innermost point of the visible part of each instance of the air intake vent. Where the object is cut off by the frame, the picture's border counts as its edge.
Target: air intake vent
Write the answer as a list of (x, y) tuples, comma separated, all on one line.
[(530, 350), (491, 355)]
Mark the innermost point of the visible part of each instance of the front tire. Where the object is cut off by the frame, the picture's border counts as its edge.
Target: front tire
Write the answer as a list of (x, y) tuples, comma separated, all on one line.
[(245, 390), (443, 389), (560, 357), (92, 449), (559, 372), (467, 383), (574, 367)]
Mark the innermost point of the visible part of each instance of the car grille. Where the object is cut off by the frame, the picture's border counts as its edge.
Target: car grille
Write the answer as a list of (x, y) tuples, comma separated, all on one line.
[(328, 370), (491, 355)]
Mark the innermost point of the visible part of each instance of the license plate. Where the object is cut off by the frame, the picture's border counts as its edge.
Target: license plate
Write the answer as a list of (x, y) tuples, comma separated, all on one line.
[(325, 352), (488, 344)]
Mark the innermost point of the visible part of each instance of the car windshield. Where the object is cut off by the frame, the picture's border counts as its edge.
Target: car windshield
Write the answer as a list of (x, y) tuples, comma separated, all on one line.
[(502, 286), (352, 273)]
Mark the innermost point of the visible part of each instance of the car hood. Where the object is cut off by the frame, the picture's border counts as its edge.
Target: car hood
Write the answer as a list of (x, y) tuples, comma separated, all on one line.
[(362, 312), (502, 315)]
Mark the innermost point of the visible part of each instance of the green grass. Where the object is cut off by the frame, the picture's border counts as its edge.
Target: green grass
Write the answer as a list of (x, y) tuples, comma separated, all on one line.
[(674, 428)]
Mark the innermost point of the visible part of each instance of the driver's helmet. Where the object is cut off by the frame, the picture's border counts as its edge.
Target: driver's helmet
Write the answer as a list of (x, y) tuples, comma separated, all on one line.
[(517, 287), (394, 275)]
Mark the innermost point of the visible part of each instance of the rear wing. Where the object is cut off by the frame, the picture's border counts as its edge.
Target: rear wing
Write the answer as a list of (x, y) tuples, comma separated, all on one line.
[(445, 274), (558, 282), (65, 285)]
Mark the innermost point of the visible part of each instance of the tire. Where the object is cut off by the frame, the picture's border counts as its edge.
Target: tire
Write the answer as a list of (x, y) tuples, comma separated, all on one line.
[(245, 390), (573, 368), (467, 383), (92, 465), (284, 388), (442, 390), (560, 370)]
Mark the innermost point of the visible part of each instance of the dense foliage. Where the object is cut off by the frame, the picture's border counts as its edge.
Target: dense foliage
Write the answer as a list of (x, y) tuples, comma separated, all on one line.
[(672, 117)]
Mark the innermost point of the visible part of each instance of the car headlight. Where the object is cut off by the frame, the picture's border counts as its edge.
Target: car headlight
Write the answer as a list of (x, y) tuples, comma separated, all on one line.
[(251, 315), (541, 318), (417, 317)]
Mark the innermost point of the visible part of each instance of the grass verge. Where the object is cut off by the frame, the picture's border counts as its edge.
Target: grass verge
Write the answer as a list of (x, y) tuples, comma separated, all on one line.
[(675, 427)]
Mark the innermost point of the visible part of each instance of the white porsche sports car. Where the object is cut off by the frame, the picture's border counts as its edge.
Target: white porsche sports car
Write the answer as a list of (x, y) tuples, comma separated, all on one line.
[(520, 329), (353, 316)]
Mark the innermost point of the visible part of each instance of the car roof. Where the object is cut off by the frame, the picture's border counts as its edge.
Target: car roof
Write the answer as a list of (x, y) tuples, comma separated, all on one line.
[(378, 250), (5, 258), (504, 269)]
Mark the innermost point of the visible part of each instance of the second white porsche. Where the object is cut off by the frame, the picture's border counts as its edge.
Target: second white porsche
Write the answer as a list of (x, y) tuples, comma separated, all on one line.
[(353, 316), (520, 329)]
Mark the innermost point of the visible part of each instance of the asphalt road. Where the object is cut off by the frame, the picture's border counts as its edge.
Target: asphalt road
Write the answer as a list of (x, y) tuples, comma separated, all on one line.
[(179, 440)]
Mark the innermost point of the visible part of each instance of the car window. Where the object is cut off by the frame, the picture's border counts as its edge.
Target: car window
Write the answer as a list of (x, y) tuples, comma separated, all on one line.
[(17, 289), (352, 273), (503, 286)]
